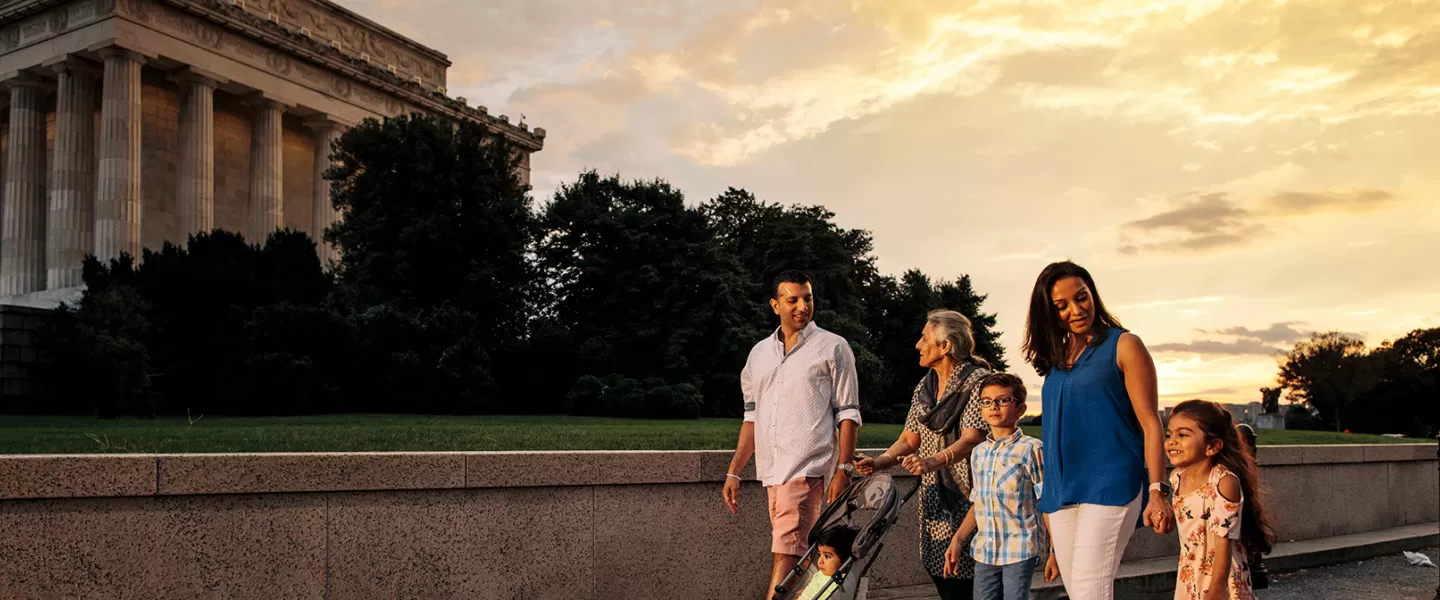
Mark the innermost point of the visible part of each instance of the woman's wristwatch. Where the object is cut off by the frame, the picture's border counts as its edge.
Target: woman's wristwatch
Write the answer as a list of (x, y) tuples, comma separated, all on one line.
[(1160, 486)]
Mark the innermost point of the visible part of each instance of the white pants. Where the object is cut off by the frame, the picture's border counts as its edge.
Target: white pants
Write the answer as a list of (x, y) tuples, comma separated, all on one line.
[(1089, 541)]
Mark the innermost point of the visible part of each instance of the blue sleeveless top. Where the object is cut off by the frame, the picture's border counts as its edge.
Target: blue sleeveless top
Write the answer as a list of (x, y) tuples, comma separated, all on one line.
[(1094, 448)]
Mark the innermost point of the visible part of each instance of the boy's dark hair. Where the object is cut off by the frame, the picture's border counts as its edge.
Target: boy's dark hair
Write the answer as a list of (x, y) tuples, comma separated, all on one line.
[(839, 537), (788, 276), (1008, 381)]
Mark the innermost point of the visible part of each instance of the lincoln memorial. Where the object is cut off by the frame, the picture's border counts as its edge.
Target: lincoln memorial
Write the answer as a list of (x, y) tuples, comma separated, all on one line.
[(132, 123)]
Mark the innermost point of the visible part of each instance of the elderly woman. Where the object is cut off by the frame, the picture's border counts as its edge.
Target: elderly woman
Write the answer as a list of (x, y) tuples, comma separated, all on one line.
[(943, 426), (1104, 455)]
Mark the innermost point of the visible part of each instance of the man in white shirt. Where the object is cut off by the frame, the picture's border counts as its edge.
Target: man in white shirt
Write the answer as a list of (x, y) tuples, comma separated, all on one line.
[(799, 385)]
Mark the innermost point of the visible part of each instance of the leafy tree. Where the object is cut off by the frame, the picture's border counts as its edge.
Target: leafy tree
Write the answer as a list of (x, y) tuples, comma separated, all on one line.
[(216, 326), (437, 225), (641, 293), (1406, 398), (97, 359), (899, 311), (961, 296), (1329, 372), (766, 238), (1299, 415), (880, 316), (427, 360), (434, 214)]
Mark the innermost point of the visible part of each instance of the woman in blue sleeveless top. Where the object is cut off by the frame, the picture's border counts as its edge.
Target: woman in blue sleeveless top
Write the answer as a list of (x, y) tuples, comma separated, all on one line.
[(1102, 433)]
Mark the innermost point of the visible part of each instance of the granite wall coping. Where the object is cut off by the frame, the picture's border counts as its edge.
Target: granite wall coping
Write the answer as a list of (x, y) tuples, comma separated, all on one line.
[(123, 475)]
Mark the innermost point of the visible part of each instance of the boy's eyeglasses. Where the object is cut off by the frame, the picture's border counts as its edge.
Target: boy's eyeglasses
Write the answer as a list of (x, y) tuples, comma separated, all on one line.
[(1001, 401)]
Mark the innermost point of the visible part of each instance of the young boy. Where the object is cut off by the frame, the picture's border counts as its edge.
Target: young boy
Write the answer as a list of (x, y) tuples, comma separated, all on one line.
[(1007, 469), (833, 551)]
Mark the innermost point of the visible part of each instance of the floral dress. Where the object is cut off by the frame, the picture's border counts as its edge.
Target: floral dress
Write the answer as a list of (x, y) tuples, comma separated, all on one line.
[(941, 511), (1199, 515)]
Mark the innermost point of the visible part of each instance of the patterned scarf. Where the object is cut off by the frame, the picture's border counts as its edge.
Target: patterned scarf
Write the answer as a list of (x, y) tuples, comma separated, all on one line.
[(945, 413)]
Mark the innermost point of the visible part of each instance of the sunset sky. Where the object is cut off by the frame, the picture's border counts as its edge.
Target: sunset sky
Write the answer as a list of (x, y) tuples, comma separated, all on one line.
[(1235, 174)]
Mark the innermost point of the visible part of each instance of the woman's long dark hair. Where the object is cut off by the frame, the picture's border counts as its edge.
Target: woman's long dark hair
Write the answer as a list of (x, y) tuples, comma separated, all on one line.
[(1044, 346), (1216, 423)]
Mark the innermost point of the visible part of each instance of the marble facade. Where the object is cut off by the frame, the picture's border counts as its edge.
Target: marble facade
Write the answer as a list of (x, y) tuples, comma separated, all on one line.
[(131, 123)]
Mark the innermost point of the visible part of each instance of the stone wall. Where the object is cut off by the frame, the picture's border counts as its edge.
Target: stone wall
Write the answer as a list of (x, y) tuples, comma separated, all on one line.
[(508, 524), (18, 327)]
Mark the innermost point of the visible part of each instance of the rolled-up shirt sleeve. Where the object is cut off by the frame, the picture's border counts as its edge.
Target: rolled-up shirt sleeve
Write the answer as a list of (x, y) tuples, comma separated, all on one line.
[(846, 400), (747, 390)]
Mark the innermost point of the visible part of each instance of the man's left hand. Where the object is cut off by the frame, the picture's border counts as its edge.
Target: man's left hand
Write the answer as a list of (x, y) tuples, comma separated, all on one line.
[(837, 486)]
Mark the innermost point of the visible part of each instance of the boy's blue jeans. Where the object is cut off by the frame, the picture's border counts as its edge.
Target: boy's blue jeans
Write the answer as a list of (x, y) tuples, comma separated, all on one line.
[(1010, 582)]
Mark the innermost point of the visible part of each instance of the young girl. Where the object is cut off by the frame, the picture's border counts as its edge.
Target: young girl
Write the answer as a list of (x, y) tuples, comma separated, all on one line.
[(1217, 511)]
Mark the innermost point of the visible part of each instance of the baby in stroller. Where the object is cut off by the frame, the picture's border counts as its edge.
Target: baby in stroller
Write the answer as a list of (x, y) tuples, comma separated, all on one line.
[(834, 549), (839, 553)]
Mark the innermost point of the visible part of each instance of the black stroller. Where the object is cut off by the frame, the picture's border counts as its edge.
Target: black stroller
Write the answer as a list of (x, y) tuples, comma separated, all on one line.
[(877, 494)]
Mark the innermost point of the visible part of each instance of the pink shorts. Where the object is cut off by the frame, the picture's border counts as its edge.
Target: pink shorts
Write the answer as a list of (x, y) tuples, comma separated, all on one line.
[(794, 507)]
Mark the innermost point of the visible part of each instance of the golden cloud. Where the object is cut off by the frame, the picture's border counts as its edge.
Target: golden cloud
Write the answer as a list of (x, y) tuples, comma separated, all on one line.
[(1214, 220)]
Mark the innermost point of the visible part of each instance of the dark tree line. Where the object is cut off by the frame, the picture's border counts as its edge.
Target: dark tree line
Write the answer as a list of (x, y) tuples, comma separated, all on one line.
[(455, 293), (1335, 383)]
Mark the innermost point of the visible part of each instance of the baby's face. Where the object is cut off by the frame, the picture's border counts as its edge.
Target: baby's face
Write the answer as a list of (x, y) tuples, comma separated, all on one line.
[(829, 561)]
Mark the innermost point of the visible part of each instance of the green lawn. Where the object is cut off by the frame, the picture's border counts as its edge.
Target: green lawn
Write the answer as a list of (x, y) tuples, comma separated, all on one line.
[(69, 435)]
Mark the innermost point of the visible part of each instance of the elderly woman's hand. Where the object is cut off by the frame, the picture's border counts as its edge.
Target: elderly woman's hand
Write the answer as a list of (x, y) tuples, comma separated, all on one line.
[(918, 466), (931, 465)]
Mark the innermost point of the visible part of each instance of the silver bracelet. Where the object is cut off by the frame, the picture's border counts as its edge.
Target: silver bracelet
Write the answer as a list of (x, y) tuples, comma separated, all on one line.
[(733, 475)]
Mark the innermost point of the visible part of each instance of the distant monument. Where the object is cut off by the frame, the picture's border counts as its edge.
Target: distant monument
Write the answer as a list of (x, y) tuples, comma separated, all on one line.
[(131, 123)]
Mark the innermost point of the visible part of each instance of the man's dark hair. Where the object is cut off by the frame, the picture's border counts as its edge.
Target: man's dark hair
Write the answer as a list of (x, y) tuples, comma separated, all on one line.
[(839, 537), (1007, 381), (788, 276)]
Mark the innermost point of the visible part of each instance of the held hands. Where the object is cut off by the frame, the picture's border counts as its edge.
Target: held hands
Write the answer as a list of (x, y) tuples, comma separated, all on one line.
[(918, 466), (1052, 568), (864, 465), (1158, 514)]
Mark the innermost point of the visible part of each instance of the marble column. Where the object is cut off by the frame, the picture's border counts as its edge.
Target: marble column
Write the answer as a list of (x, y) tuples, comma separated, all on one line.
[(118, 206), (22, 236), (327, 132), (71, 221), (267, 187), (195, 193)]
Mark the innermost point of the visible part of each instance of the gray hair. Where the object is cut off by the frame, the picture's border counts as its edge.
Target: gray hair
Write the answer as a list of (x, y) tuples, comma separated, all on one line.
[(951, 326)]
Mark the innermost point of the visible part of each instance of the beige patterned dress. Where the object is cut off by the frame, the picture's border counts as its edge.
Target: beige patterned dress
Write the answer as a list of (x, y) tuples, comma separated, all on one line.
[(1199, 515), (941, 511)]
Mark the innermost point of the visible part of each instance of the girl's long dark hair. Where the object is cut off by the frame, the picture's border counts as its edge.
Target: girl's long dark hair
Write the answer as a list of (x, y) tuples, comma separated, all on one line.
[(1216, 423), (1044, 346)]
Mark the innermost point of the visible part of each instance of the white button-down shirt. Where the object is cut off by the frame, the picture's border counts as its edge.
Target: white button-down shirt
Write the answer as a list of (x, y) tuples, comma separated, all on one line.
[(797, 400)]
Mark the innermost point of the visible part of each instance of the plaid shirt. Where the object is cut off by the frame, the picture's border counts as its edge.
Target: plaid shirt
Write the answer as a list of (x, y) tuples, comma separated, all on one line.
[(1008, 477)]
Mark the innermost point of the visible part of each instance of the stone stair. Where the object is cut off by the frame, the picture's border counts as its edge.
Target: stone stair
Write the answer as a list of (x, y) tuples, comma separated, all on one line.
[(1155, 578)]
